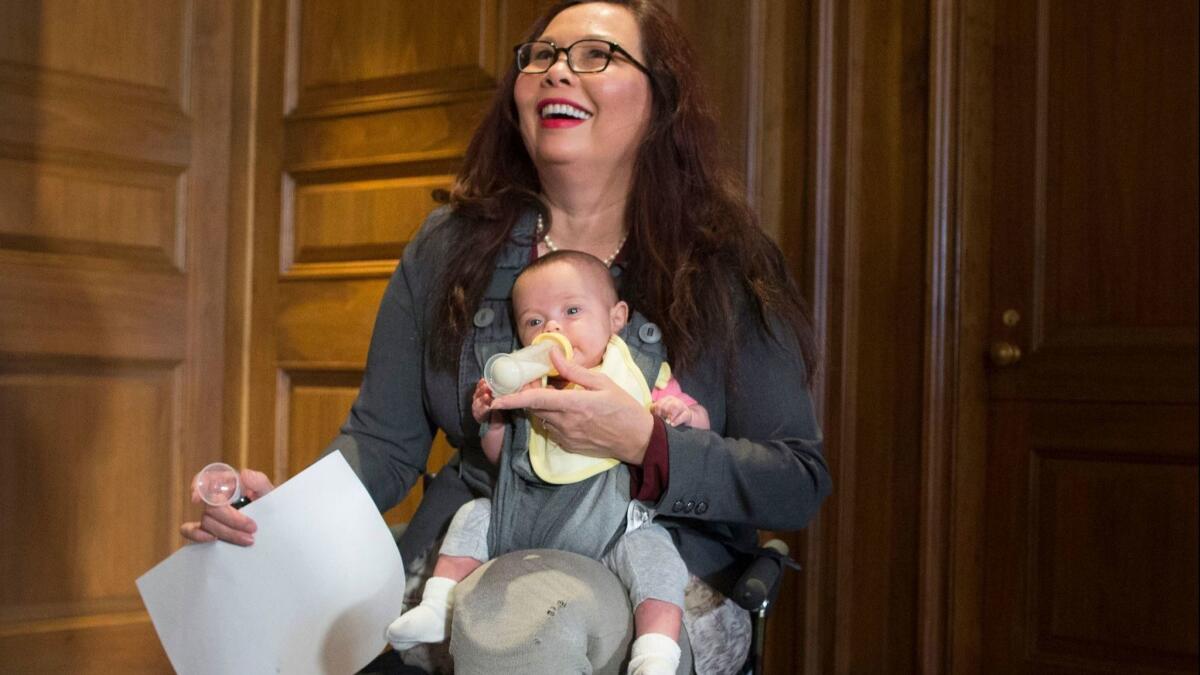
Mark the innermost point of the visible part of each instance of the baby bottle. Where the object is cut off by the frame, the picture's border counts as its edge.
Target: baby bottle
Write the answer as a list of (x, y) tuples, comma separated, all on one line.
[(506, 373)]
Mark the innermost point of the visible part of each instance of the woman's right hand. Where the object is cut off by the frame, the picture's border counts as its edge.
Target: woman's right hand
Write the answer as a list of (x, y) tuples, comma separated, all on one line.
[(225, 522)]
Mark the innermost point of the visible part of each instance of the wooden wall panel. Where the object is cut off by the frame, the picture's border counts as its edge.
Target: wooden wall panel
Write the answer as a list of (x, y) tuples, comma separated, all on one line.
[(1093, 538), (317, 405), (354, 220), (134, 42), (62, 116), (120, 643), (54, 309), (725, 38), (1115, 172), (114, 149), (388, 137), (1109, 507), (130, 459), (391, 48), (102, 212), (327, 322), (1100, 524)]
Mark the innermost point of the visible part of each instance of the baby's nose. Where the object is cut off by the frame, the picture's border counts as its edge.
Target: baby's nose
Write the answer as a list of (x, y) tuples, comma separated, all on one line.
[(552, 327)]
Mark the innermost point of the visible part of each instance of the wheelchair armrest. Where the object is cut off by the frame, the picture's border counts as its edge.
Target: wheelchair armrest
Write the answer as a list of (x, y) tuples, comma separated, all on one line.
[(759, 584)]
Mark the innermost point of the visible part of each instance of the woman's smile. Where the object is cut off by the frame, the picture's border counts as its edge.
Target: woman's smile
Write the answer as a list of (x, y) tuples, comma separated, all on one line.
[(559, 113)]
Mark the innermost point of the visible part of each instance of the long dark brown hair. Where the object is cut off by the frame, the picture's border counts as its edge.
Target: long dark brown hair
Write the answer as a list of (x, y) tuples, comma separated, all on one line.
[(693, 240)]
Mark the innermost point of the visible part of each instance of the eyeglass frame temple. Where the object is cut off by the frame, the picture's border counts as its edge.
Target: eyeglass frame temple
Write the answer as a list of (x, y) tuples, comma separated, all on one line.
[(567, 50)]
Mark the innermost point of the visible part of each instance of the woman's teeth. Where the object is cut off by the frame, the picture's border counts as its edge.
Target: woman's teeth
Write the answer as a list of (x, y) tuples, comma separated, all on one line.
[(564, 110)]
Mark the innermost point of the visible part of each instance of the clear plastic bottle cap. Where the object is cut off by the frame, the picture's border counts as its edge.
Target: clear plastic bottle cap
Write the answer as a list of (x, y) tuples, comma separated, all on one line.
[(218, 484)]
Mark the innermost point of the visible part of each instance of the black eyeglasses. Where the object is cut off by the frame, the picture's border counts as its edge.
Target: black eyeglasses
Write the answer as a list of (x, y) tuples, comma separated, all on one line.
[(584, 56)]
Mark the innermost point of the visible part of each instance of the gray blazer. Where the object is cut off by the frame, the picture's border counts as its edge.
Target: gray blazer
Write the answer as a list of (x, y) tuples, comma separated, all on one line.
[(759, 467)]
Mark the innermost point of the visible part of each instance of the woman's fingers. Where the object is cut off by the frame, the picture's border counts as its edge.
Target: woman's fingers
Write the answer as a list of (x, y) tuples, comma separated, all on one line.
[(255, 484), (539, 399), (214, 524), (573, 372), (195, 534), (228, 524)]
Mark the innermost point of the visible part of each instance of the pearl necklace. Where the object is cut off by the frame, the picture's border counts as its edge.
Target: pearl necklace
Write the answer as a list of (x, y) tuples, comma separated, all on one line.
[(541, 229)]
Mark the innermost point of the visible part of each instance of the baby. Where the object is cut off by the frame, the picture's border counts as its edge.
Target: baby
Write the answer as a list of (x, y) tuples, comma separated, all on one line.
[(572, 293)]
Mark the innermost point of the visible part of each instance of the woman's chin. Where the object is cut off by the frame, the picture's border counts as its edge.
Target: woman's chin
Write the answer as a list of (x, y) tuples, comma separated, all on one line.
[(557, 157)]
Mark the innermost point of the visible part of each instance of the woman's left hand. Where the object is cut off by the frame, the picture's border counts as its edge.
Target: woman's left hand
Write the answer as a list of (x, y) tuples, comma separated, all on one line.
[(600, 420)]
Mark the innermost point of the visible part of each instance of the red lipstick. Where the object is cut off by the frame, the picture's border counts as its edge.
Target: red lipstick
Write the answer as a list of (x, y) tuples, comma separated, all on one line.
[(567, 113)]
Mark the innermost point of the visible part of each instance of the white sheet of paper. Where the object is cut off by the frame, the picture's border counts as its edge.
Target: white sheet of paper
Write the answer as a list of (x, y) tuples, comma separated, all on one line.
[(312, 595)]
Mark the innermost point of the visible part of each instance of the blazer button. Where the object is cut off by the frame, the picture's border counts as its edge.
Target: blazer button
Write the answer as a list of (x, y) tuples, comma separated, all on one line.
[(484, 317), (649, 333), (687, 508), (677, 506), (701, 507)]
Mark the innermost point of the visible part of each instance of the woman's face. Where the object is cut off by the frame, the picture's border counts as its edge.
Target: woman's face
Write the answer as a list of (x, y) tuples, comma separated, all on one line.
[(614, 104)]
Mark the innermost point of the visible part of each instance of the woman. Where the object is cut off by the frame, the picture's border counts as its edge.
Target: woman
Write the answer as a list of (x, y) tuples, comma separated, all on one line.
[(598, 140)]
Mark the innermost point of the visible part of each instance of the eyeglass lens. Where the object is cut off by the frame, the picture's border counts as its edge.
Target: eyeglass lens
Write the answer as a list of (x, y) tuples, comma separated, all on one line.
[(585, 56)]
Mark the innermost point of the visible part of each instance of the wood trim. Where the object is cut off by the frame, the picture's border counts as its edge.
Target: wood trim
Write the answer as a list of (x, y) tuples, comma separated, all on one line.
[(358, 269), (239, 297), (282, 417), (949, 621), (827, 214), (939, 405), (758, 62), (268, 140), (169, 102), (1037, 308), (291, 57), (207, 185), (962, 638), (844, 328)]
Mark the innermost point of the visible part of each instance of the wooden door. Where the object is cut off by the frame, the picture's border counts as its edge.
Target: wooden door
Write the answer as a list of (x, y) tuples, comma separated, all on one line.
[(1090, 552), (359, 111), (114, 141)]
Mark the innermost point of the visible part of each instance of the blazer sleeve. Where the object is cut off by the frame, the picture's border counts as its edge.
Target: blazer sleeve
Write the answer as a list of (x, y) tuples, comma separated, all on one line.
[(388, 433), (766, 469)]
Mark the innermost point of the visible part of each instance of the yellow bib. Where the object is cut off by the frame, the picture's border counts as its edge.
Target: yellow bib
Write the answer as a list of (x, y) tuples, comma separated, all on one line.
[(555, 465)]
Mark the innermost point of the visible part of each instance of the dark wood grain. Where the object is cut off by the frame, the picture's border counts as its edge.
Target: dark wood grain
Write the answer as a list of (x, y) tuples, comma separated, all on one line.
[(1090, 540)]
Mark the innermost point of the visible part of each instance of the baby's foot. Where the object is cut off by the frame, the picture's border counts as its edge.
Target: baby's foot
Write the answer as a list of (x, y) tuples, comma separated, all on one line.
[(420, 625), (429, 621), (654, 654)]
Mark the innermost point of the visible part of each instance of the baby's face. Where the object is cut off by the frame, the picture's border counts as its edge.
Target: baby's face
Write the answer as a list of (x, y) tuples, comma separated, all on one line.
[(562, 299)]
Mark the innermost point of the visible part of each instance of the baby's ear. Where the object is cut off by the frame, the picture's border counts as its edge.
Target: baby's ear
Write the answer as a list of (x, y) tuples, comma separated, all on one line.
[(619, 315)]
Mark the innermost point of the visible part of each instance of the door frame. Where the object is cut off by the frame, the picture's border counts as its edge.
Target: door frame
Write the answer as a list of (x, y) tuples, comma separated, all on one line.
[(955, 418)]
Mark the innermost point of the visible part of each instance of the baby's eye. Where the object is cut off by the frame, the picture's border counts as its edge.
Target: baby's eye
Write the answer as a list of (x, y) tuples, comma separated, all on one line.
[(571, 311), (533, 323)]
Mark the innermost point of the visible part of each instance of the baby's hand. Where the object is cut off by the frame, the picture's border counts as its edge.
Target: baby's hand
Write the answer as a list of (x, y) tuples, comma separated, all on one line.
[(481, 401), (672, 410)]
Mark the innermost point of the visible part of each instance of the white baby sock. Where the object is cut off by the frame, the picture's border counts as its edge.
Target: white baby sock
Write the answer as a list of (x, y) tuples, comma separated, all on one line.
[(429, 621), (654, 654)]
